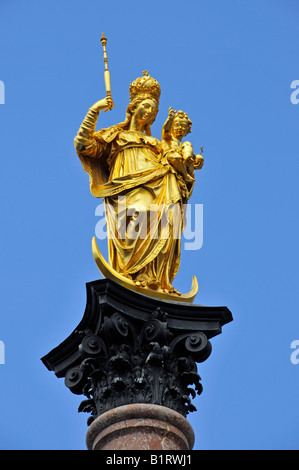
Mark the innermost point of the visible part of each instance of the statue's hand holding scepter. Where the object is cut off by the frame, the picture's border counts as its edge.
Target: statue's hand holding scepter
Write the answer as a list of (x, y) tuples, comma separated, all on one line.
[(104, 104)]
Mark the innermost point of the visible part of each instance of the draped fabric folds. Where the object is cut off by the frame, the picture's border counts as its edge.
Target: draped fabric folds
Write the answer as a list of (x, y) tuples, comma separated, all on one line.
[(143, 201)]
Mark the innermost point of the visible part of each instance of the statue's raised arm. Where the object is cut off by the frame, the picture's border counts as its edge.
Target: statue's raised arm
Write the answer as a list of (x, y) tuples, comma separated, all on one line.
[(85, 139)]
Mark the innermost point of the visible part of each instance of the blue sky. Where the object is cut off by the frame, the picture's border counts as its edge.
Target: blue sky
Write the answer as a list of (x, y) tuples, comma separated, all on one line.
[(230, 66)]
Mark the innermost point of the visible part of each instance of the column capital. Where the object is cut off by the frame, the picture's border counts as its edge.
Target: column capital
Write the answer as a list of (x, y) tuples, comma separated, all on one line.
[(130, 349)]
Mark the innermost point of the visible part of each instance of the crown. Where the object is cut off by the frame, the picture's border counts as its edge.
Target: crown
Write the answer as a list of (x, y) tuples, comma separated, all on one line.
[(145, 86)]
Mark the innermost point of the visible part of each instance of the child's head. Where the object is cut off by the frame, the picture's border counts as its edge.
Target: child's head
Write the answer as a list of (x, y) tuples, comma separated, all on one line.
[(181, 125)]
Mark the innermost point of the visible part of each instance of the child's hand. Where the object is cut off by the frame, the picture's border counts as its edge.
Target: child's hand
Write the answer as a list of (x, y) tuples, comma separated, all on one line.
[(171, 113), (168, 123), (189, 159)]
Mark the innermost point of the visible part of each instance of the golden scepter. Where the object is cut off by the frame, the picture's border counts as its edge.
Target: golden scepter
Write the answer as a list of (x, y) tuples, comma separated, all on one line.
[(106, 72)]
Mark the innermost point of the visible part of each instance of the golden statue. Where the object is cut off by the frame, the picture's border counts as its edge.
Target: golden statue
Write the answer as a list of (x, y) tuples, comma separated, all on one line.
[(144, 184)]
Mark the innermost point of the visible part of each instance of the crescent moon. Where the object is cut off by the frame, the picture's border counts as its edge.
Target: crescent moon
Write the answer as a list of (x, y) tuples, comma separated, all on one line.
[(108, 272)]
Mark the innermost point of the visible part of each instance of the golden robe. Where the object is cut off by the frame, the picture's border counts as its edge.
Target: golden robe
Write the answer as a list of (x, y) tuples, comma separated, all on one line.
[(143, 201)]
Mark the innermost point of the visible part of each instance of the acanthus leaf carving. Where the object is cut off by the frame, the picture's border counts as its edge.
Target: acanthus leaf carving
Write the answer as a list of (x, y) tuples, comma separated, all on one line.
[(137, 362)]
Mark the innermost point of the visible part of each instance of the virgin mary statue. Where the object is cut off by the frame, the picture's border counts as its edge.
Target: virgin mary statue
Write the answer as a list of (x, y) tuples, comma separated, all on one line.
[(143, 197)]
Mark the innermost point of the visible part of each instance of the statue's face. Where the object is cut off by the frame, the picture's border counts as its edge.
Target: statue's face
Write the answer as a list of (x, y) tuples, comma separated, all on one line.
[(179, 128), (145, 111)]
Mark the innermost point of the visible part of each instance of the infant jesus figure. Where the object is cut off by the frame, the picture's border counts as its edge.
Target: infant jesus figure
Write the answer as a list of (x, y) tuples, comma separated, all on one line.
[(179, 155)]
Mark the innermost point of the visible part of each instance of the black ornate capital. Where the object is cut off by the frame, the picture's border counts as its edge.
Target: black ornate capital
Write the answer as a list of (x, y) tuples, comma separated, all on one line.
[(129, 348)]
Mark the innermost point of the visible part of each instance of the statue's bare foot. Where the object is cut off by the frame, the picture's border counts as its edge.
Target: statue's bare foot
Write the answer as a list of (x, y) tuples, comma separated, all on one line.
[(171, 290), (141, 283), (146, 281), (154, 285)]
